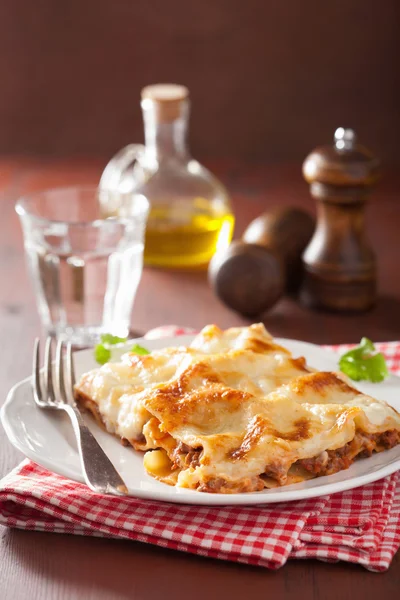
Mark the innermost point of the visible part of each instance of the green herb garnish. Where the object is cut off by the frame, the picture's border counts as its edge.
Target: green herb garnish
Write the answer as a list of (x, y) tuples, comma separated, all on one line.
[(111, 340), (136, 349), (102, 352), (363, 363)]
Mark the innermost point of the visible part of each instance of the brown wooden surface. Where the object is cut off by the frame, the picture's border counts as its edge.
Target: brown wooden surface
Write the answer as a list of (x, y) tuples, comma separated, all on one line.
[(60, 567), (268, 79)]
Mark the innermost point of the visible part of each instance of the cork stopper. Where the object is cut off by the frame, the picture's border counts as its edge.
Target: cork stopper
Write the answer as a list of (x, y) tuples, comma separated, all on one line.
[(166, 99)]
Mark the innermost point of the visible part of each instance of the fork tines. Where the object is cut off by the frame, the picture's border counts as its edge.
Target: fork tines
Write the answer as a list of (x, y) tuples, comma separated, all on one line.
[(57, 384)]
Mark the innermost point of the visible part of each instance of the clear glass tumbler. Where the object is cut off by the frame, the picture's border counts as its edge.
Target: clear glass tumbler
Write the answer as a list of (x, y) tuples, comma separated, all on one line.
[(85, 266)]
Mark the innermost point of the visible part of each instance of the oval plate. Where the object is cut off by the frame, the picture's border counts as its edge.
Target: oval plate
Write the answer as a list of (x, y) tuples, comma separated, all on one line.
[(47, 438)]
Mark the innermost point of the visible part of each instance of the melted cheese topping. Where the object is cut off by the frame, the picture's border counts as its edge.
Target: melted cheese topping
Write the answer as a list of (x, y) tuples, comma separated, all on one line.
[(231, 411), (212, 340)]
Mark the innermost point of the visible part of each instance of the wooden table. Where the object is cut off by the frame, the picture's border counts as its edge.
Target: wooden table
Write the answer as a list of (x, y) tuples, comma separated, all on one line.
[(58, 567)]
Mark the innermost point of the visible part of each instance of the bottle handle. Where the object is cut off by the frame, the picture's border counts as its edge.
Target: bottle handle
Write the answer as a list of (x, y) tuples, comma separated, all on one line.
[(116, 168)]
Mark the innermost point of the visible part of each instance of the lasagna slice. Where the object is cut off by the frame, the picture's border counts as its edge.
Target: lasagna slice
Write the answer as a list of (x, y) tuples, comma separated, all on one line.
[(235, 412)]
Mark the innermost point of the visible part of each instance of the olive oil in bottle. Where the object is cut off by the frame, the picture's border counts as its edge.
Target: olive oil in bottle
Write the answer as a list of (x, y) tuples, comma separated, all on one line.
[(190, 215), (171, 243)]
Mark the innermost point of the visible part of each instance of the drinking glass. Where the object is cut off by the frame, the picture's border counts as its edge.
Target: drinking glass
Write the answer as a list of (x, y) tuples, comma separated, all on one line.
[(85, 265)]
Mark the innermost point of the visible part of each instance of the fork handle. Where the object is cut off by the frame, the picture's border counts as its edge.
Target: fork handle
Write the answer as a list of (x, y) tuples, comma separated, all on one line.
[(99, 472)]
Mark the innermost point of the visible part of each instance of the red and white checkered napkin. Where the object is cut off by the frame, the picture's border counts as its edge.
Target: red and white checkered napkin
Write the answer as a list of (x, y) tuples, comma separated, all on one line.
[(360, 526)]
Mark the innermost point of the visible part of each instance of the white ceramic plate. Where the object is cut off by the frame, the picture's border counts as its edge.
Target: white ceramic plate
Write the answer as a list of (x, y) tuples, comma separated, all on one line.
[(47, 438)]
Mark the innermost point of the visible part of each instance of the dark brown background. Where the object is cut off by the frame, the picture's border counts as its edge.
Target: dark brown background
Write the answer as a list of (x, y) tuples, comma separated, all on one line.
[(269, 79)]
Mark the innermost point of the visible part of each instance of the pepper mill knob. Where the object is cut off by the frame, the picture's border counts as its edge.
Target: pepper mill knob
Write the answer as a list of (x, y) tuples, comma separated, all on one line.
[(344, 139), (339, 264)]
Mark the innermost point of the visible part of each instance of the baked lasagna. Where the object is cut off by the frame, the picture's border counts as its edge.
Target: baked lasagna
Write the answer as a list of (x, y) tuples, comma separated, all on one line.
[(235, 412)]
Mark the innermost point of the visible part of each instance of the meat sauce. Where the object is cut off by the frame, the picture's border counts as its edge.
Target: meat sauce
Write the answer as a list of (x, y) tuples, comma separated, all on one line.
[(362, 445), (185, 456)]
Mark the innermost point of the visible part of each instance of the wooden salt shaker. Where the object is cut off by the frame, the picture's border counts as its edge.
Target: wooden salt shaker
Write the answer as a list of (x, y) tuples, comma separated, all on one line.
[(339, 264)]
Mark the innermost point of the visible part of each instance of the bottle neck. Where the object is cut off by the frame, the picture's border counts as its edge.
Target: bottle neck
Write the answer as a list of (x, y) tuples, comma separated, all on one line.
[(166, 139)]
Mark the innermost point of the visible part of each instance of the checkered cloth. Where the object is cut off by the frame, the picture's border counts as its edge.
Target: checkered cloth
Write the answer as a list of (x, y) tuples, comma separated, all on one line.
[(360, 526)]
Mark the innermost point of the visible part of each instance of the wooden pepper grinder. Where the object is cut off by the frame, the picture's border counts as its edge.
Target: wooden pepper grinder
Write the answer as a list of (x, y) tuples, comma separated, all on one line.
[(339, 264), (253, 273)]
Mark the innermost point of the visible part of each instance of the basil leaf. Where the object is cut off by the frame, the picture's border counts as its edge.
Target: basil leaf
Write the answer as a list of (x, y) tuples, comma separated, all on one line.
[(102, 354), (111, 340), (136, 349), (363, 363), (367, 346)]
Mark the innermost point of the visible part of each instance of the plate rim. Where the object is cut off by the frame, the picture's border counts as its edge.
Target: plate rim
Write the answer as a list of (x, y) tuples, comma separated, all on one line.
[(192, 497)]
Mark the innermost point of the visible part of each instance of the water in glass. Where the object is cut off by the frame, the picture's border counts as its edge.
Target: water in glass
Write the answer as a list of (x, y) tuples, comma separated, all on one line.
[(85, 268)]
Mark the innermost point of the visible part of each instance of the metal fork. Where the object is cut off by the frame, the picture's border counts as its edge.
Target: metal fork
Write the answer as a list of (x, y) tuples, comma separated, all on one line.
[(56, 392)]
